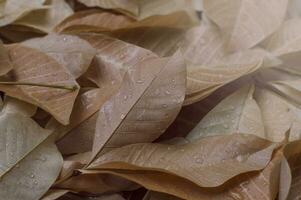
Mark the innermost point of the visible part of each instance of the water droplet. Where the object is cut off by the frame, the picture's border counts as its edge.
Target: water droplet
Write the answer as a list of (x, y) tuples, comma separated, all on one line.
[(139, 81), (164, 106), (173, 80), (44, 159), (122, 116), (17, 166), (236, 195), (168, 148), (35, 182), (240, 158), (199, 160), (125, 97), (32, 176), (167, 92), (64, 39)]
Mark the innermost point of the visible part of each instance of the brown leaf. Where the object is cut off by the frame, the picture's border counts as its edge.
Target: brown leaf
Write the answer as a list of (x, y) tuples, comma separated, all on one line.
[(15, 9), (144, 100), (46, 19), (169, 169), (143, 9), (5, 63), (27, 64), (233, 155), (71, 52)]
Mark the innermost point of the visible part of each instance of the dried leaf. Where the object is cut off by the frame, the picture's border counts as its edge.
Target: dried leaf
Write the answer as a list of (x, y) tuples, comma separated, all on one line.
[(30, 162), (243, 21), (192, 161), (27, 64), (166, 168), (12, 105), (5, 63), (276, 114), (237, 113), (46, 19), (71, 52), (143, 100), (113, 60), (15, 9), (143, 9)]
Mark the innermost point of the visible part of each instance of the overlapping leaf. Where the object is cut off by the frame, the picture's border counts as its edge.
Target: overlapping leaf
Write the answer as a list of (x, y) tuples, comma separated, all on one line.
[(246, 22), (29, 159), (143, 9), (71, 52), (46, 19), (59, 102)]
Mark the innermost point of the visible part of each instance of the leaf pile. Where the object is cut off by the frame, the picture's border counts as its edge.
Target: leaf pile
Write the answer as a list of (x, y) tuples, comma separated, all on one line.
[(150, 100)]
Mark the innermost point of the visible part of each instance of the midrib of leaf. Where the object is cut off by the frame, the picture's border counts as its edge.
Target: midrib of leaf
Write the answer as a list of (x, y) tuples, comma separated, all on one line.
[(243, 108), (63, 87), (237, 18), (25, 155)]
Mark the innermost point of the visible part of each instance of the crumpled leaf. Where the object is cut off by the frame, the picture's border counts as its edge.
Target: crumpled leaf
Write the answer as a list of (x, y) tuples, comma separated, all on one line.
[(165, 168), (144, 100), (143, 9), (71, 52), (5, 63), (27, 64), (15, 9), (29, 160), (46, 19), (243, 21)]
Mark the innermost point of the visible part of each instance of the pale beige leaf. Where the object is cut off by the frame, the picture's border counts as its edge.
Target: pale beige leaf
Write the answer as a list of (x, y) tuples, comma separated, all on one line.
[(46, 19), (286, 39), (27, 64), (144, 8), (294, 9), (238, 113), (246, 22), (54, 194), (276, 114), (151, 96), (71, 52), (29, 162), (15, 9), (195, 161), (12, 105), (198, 5), (5, 63)]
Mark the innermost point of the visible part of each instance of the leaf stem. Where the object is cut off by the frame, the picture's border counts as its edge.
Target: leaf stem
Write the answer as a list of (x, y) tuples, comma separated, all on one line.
[(63, 87)]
